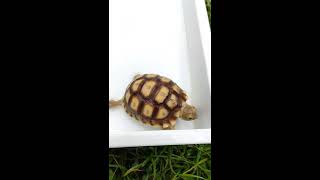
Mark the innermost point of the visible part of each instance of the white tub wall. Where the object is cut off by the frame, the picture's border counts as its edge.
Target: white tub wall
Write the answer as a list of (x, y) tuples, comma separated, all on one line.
[(148, 34), (199, 75)]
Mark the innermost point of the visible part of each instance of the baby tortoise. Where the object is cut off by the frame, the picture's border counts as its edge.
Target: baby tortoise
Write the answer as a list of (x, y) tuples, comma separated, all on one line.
[(156, 100)]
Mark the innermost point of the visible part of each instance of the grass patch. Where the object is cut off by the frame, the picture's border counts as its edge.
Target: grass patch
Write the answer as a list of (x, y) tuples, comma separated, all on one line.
[(208, 5), (160, 163)]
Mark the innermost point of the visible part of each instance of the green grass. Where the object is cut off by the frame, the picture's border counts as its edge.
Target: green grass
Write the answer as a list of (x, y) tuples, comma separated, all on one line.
[(162, 163), (208, 4)]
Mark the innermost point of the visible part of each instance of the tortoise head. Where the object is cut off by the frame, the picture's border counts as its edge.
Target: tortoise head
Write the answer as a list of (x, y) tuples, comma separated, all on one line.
[(189, 113)]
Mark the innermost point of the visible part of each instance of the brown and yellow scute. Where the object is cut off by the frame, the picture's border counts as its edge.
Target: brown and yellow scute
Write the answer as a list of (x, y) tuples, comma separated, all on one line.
[(154, 100)]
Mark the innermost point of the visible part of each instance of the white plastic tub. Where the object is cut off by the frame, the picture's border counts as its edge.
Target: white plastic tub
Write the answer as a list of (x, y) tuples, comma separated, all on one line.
[(167, 37)]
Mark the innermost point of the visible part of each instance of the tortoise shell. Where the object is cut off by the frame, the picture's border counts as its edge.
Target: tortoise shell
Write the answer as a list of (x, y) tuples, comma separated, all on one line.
[(154, 100)]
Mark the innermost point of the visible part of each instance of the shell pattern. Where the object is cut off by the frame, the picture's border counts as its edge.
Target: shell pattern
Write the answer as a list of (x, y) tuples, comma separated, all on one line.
[(154, 100)]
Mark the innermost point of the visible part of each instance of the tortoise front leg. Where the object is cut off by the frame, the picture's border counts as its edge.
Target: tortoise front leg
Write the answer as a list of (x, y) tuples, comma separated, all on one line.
[(168, 126)]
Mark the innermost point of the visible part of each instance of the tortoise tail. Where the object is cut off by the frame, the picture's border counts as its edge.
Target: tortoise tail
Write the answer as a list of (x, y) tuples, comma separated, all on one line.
[(113, 103)]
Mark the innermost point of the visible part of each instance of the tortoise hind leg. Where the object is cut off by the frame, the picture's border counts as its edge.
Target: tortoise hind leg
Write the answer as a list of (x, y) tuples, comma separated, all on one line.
[(113, 103)]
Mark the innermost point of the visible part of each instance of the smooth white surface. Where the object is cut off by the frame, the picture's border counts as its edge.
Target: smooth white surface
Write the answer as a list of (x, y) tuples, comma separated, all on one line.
[(143, 138), (163, 37)]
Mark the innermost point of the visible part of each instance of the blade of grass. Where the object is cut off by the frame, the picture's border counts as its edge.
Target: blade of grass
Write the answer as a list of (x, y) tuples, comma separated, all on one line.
[(197, 161), (197, 164), (114, 173), (120, 166), (136, 168), (154, 169), (170, 163), (190, 175)]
